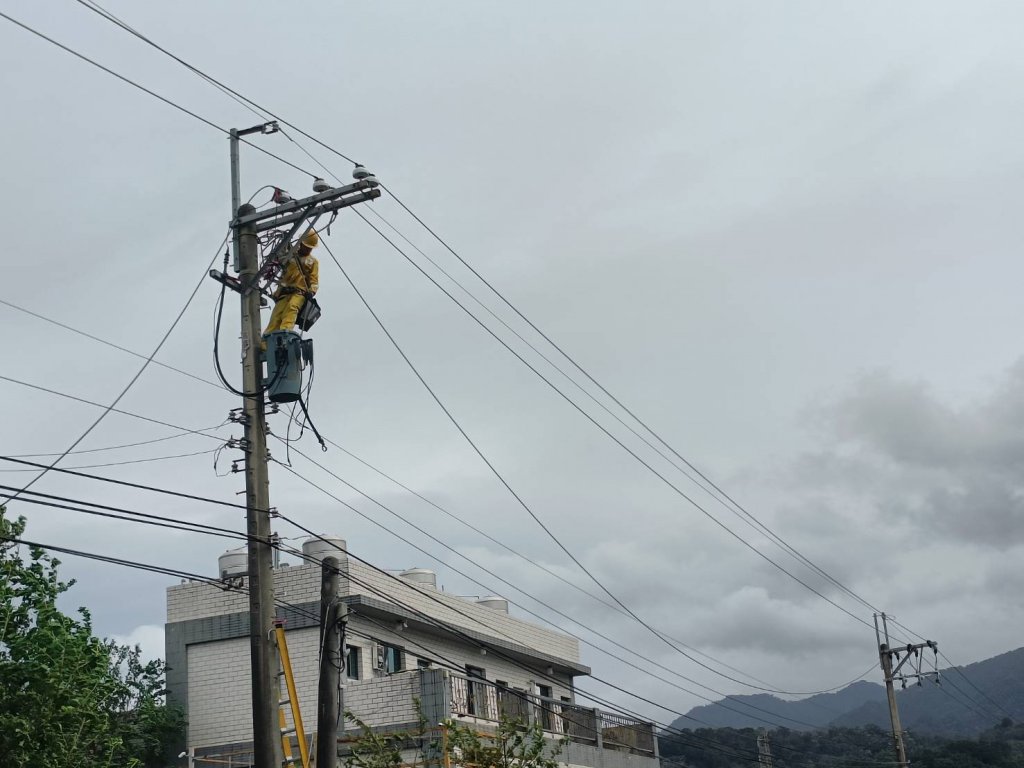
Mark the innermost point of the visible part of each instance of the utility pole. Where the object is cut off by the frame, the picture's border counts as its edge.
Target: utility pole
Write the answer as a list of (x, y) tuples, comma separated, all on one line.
[(265, 731), (891, 674), (764, 750), (246, 224), (333, 615)]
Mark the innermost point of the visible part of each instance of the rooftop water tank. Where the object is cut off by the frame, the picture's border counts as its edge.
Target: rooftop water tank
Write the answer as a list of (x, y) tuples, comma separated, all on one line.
[(317, 548), (422, 576), (494, 603), (234, 562)]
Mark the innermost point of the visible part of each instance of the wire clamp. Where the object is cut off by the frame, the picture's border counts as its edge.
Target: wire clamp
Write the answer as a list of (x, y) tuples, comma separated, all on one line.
[(238, 416), (238, 442)]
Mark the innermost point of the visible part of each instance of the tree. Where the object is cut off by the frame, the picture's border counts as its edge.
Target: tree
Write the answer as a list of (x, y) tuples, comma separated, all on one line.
[(512, 744), (67, 697)]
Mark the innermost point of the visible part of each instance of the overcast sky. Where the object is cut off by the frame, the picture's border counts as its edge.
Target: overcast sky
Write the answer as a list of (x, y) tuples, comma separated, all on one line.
[(785, 234)]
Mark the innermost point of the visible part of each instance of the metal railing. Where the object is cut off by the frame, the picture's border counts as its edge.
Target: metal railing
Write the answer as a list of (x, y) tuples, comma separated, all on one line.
[(474, 697)]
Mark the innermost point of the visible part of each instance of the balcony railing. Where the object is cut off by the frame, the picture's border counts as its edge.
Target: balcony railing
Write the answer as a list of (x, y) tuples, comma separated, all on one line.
[(481, 699)]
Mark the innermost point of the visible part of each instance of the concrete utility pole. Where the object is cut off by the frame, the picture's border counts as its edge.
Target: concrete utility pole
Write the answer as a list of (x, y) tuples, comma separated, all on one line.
[(267, 751), (891, 674), (764, 750), (246, 224), (333, 615)]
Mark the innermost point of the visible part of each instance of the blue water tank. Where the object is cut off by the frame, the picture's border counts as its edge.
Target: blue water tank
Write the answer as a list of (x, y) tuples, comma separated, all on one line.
[(284, 366)]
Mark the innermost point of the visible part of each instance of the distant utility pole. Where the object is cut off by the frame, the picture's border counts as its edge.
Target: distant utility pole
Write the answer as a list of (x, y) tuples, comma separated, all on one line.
[(764, 751), (246, 224), (915, 657)]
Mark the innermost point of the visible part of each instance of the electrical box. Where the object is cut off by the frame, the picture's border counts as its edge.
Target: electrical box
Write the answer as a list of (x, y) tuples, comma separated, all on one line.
[(284, 366)]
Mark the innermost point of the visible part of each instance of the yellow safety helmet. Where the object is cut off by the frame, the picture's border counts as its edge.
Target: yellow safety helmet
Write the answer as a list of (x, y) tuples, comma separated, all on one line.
[(310, 240)]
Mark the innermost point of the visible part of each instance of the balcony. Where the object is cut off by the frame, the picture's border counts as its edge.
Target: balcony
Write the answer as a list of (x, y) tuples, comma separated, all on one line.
[(483, 700)]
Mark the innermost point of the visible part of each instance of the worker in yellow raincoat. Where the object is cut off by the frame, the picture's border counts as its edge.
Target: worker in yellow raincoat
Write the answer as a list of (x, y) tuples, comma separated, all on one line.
[(300, 279)]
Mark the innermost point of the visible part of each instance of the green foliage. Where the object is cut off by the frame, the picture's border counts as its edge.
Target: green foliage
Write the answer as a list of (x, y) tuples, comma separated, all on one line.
[(68, 698), (512, 745), (379, 750)]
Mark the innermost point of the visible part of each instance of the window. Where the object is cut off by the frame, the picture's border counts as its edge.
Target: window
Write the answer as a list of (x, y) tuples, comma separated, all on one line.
[(389, 658), (477, 672), (545, 707), (423, 663), (352, 662)]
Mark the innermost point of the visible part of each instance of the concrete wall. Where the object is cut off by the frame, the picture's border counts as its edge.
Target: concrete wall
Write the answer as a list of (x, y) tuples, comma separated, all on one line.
[(301, 584), (208, 649)]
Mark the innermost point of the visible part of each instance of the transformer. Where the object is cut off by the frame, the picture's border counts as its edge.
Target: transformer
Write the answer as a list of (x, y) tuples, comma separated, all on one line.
[(284, 366)]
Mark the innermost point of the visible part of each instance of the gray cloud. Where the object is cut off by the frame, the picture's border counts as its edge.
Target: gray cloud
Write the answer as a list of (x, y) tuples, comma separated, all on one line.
[(725, 212)]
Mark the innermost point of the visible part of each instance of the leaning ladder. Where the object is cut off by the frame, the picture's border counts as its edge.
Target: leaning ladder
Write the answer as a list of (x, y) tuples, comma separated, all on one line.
[(292, 700)]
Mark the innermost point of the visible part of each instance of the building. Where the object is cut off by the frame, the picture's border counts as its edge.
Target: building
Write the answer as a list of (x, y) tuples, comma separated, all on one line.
[(494, 665)]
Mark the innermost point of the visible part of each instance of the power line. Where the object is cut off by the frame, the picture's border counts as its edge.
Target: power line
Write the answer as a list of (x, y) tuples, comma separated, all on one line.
[(131, 461), (163, 521), (528, 560), (516, 553), (558, 542), (958, 669), (77, 399), (524, 608), (575, 405), (177, 573), (510, 549), (240, 98), (154, 94), (183, 433), (139, 486), (736, 507), (133, 379), (448, 627), (139, 355)]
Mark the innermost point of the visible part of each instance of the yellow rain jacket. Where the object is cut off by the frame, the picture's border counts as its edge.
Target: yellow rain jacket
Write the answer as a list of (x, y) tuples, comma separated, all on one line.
[(300, 275)]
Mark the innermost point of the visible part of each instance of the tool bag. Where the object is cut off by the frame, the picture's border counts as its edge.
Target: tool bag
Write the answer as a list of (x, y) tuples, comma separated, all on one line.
[(309, 314)]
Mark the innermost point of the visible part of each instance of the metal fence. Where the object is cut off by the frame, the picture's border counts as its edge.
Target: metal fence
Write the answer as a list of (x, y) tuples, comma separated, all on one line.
[(478, 698)]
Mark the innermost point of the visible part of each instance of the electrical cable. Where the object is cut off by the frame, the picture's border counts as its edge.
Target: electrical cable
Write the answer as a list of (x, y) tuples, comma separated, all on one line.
[(107, 343), (527, 610), (701, 480), (736, 508), (539, 601), (27, 28), (100, 405), (312, 426), (957, 668), (451, 629), (97, 8), (157, 96), (554, 574), (183, 433), (501, 544), (244, 101), (129, 461), (154, 94), (131, 382), (139, 486), (213, 530), (520, 500)]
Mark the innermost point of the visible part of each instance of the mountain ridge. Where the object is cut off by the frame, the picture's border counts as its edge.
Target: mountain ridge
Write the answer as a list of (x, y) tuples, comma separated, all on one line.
[(953, 708)]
